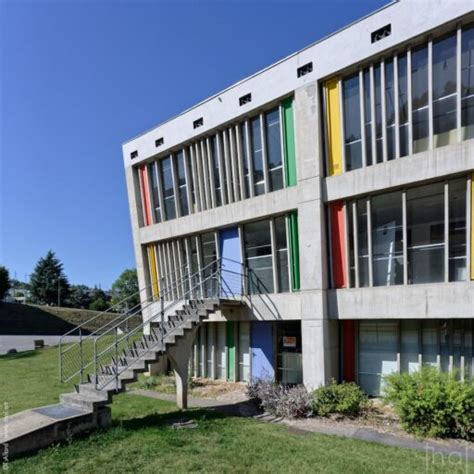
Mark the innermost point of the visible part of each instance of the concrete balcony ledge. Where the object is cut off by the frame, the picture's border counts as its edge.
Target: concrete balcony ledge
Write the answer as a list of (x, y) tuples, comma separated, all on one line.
[(428, 301), (429, 165)]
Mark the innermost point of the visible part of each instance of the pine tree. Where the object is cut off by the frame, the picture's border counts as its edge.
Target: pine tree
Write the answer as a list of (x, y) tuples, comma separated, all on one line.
[(49, 284), (5, 283)]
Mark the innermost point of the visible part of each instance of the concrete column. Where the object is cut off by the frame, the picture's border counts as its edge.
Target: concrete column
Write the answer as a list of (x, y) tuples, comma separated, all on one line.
[(179, 355), (319, 333)]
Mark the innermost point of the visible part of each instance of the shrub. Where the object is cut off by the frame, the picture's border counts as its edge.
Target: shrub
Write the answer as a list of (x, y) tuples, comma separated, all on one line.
[(148, 382), (344, 399), (279, 400), (432, 403)]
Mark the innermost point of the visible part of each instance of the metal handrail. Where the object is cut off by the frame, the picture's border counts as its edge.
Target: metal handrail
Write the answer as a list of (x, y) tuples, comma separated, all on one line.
[(187, 286), (135, 330), (114, 324)]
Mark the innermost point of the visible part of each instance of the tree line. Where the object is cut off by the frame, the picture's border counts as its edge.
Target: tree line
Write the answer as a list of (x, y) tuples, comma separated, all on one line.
[(49, 285)]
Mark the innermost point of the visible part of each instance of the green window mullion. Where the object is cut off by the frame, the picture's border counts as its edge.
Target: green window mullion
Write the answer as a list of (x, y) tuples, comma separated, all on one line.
[(289, 141), (230, 342), (294, 251)]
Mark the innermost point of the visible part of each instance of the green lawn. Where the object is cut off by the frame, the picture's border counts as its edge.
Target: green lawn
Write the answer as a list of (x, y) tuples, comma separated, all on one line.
[(141, 439)]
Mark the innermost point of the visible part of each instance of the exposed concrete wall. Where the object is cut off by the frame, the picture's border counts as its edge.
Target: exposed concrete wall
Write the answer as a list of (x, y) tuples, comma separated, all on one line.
[(249, 209), (430, 301), (319, 336), (329, 55), (438, 163), (134, 201)]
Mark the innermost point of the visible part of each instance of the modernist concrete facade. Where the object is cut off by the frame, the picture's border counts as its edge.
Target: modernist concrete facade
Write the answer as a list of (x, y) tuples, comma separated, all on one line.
[(341, 177)]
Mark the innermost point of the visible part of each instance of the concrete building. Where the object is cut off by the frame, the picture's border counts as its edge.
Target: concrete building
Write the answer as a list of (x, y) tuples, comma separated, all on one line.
[(336, 187)]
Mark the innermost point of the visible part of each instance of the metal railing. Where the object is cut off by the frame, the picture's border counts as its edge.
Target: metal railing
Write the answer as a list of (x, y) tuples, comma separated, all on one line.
[(108, 351)]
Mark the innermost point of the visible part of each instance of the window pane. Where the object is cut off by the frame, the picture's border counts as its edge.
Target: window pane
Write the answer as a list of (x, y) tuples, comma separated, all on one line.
[(467, 83), (182, 188), (444, 67), (444, 91), (457, 230), (419, 77), (352, 131), (362, 243), (367, 117), (378, 113), (390, 109), (273, 136), (215, 167), (245, 159), (155, 194), (257, 158), (425, 228), (168, 191), (403, 104), (282, 255), (387, 239), (444, 121), (258, 252)]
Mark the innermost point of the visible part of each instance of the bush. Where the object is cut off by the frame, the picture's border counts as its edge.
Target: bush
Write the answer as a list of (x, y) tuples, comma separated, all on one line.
[(432, 403), (344, 399), (279, 400), (148, 382)]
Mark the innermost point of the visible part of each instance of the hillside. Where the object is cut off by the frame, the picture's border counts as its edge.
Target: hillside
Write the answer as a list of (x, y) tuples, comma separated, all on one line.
[(20, 319)]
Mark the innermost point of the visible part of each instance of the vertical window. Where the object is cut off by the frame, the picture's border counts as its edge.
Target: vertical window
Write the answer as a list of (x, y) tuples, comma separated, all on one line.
[(390, 109), (216, 170), (387, 239), (378, 114), (425, 231), (193, 175), (245, 159), (195, 276), (155, 194), (363, 243), (419, 77), (209, 255), (467, 83), (367, 117), (182, 187), (257, 156), (258, 252), (352, 133), (167, 185), (444, 91), (403, 104), (350, 243), (274, 158), (282, 255), (457, 230)]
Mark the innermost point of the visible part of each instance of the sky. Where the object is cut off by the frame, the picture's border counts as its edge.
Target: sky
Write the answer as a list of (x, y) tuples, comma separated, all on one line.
[(80, 77)]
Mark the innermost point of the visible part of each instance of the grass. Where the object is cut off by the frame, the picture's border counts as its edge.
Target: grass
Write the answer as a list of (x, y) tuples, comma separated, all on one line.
[(142, 440)]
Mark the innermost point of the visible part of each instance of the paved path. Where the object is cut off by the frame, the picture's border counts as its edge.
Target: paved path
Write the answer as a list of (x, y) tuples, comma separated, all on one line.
[(247, 408)]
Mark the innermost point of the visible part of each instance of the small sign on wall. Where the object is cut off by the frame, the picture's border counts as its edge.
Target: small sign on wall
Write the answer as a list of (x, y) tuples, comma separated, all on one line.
[(289, 341)]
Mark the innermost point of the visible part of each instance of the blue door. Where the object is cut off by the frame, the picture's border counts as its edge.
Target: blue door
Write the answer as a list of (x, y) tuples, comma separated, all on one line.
[(231, 258), (262, 350)]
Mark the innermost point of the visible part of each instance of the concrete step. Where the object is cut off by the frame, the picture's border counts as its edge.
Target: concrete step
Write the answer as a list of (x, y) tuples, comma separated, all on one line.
[(86, 401)]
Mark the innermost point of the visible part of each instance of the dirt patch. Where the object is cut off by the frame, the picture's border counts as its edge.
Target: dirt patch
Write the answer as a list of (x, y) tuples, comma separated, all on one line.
[(218, 389)]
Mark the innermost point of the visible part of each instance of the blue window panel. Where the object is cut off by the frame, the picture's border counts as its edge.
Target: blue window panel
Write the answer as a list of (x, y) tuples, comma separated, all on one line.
[(231, 267), (261, 343)]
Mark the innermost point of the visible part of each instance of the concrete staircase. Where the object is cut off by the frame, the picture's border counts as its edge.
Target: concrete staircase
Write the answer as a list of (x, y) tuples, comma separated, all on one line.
[(112, 378), (86, 409)]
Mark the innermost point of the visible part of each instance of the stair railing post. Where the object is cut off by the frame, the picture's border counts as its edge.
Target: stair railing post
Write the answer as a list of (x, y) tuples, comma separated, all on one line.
[(95, 363), (126, 325), (81, 354), (116, 359), (162, 316)]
